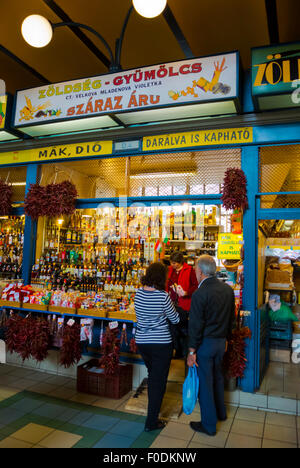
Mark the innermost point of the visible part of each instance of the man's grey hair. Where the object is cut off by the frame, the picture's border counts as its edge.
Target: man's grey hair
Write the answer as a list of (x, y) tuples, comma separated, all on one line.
[(207, 265)]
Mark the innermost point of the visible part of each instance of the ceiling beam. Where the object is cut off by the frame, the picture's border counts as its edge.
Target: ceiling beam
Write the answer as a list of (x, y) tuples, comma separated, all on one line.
[(271, 10), (24, 65), (77, 31), (179, 36)]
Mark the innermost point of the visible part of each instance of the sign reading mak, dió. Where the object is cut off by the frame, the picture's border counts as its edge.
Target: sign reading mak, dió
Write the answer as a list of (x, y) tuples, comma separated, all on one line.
[(206, 79)]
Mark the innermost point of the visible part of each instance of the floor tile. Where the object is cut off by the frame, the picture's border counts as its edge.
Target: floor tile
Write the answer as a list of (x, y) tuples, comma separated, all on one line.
[(27, 405), (60, 439), (32, 433), (84, 398), (219, 440), (250, 415), (280, 433), (169, 442), (225, 426), (107, 403), (8, 415), (80, 418), (57, 380), (199, 445), (63, 392), (178, 431), (243, 441), (248, 428), (49, 410), (114, 441), (100, 422), (276, 444), (7, 392), (278, 419), (42, 387), (10, 442), (130, 428)]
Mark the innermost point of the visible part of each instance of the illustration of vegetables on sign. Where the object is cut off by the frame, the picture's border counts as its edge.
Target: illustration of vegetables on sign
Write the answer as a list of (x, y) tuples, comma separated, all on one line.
[(2, 113), (213, 86), (29, 111)]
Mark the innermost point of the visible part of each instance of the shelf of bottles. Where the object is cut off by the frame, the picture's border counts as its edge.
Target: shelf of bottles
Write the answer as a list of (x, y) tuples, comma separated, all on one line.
[(11, 246), (108, 249)]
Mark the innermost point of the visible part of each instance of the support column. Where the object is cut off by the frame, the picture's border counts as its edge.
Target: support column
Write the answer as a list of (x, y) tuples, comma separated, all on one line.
[(250, 163), (30, 229)]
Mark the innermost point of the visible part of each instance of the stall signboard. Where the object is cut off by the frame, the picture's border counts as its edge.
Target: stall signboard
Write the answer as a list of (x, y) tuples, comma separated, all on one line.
[(229, 246), (3, 104), (276, 76), (51, 153), (205, 79), (227, 136)]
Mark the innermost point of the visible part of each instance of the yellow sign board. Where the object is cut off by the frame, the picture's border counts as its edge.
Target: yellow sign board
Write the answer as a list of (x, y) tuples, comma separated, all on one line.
[(225, 136), (51, 153), (3, 103), (229, 246)]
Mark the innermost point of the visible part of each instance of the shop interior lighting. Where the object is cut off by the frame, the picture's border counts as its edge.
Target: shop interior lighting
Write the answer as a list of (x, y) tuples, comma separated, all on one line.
[(161, 175), (19, 184), (149, 8), (37, 30)]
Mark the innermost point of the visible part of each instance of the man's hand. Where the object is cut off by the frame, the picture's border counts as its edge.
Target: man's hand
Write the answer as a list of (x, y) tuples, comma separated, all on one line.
[(192, 360)]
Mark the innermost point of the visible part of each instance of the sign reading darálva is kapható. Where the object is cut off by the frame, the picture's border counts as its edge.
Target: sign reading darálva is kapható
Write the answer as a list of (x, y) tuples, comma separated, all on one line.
[(199, 80)]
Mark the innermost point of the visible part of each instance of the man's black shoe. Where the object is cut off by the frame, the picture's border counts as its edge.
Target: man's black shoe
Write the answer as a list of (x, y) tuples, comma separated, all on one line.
[(197, 426), (158, 425)]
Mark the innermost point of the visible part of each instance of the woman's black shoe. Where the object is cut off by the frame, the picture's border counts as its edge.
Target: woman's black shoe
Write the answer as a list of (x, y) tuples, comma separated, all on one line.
[(159, 425)]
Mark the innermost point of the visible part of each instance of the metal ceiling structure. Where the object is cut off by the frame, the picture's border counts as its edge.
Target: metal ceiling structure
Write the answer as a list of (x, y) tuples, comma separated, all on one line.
[(186, 28)]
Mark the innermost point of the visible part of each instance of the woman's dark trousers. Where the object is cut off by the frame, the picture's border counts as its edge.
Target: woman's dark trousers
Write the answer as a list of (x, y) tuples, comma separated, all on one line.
[(157, 358)]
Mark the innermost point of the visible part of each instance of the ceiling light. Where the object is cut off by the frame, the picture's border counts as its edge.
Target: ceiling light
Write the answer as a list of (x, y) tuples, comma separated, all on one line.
[(37, 31), (19, 184), (161, 175), (149, 8)]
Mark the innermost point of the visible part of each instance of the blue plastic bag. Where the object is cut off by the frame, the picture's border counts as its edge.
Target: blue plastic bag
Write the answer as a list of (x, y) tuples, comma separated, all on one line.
[(190, 390)]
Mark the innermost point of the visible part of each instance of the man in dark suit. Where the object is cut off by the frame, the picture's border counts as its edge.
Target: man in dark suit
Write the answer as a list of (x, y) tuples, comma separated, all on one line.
[(211, 320)]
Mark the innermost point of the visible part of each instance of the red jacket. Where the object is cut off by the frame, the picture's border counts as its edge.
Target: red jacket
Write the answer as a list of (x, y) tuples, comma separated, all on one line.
[(187, 279)]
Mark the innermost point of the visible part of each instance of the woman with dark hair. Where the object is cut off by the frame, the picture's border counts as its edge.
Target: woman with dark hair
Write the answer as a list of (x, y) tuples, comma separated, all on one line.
[(153, 309), (181, 284)]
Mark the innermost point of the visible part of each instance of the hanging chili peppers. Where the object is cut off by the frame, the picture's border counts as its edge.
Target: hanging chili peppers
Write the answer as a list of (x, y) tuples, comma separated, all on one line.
[(52, 200), (28, 336), (234, 192), (111, 351), (70, 352), (41, 340), (5, 198), (235, 356)]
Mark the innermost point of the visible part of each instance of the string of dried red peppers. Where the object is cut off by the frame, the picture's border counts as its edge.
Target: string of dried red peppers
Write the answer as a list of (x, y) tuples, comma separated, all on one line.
[(234, 191), (5, 198), (53, 200)]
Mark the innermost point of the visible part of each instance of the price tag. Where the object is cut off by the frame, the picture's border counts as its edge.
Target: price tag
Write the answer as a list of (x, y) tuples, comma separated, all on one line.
[(113, 325)]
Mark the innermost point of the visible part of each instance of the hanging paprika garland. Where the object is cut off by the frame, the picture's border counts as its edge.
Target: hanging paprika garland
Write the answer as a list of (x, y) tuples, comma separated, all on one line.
[(70, 352), (5, 198), (35, 203), (235, 356), (53, 200), (234, 190), (111, 351)]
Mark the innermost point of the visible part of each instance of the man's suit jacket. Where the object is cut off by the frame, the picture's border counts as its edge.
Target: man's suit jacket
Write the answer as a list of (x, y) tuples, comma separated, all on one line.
[(212, 312)]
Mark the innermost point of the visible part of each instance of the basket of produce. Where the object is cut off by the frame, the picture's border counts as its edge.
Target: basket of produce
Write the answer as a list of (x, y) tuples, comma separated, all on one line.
[(231, 265)]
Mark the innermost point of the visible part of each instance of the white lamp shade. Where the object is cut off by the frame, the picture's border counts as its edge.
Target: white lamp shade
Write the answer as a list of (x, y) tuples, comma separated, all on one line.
[(37, 31), (149, 8)]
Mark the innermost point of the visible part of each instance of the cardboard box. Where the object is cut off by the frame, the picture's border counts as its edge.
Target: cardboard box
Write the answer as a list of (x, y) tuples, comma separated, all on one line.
[(280, 355)]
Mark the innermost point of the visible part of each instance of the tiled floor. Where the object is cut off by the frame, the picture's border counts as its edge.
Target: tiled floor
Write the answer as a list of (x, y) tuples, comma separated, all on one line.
[(283, 378), (42, 410)]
